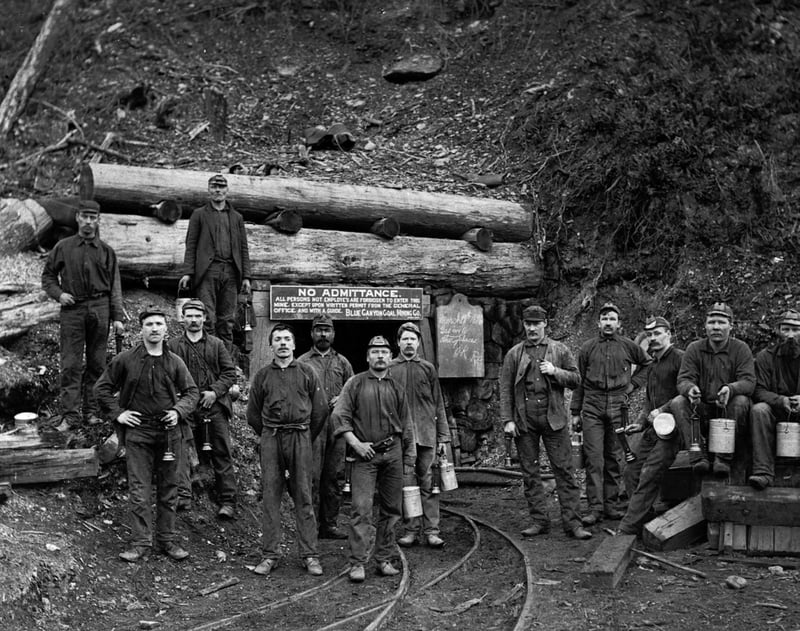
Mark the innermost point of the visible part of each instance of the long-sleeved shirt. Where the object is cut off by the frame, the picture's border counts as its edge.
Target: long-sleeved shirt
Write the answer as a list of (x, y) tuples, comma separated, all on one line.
[(333, 369), (605, 365), (209, 363), (420, 381), (85, 268), (776, 377), (289, 397), (661, 379), (129, 368), (203, 246), (709, 370), (373, 408)]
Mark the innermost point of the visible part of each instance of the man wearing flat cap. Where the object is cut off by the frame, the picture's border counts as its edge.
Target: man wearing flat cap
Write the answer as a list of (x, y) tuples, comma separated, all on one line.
[(777, 396), (82, 274), (149, 391), (532, 409), (217, 260), (214, 372), (716, 379), (606, 365), (373, 417), (333, 370), (420, 382), (654, 454)]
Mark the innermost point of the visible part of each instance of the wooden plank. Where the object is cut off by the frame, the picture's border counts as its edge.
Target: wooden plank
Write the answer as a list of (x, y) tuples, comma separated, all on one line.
[(29, 438), (261, 355), (762, 540), (794, 543), (739, 537), (726, 537), (745, 505), (713, 533), (677, 528), (783, 539), (34, 466), (606, 567)]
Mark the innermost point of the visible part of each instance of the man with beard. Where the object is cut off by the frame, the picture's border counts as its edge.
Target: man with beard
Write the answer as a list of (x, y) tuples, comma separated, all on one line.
[(654, 455), (287, 409), (372, 415), (532, 382), (605, 363), (213, 371), (156, 394), (333, 370), (777, 396), (716, 379), (82, 274)]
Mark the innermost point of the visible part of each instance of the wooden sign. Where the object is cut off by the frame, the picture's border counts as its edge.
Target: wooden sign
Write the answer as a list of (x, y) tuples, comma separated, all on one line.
[(303, 302), (459, 336)]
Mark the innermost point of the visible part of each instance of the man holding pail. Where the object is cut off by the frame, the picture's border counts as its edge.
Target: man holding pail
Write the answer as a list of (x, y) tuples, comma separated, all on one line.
[(777, 396), (372, 415), (716, 379)]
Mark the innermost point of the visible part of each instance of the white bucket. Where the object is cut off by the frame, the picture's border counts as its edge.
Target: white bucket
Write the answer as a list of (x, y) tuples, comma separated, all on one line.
[(721, 435), (787, 440), (447, 474), (23, 419), (664, 425), (412, 502)]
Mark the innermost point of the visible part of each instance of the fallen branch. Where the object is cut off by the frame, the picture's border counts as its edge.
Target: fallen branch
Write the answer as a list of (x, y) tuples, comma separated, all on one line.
[(58, 146), (218, 586), (100, 148), (771, 605), (460, 608), (109, 139), (677, 566)]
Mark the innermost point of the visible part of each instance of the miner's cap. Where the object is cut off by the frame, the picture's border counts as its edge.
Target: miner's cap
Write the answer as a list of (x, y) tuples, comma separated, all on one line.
[(720, 309), (88, 206), (152, 310), (655, 322), (323, 319), (609, 306), (194, 304), (790, 316), (379, 342), (217, 180), (534, 313)]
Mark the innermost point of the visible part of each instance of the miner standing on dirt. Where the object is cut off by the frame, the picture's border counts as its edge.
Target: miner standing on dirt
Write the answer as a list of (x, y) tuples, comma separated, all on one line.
[(776, 397), (605, 363), (156, 397), (716, 379), (217, 260), (374, 419), (654, 455), (287, 409), (82, 274), (420, 382), (214, 372), (532, 409), (333, 370)]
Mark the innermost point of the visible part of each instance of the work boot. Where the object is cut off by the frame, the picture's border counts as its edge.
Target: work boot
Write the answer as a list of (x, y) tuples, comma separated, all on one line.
[(356, 574), (265, 567), (721, 468), (759, 482), (408, 539), (387, 569), (225, 512), (701, 466), (313, 566), (134, 554), (332, 532), (590, 519), (174, 551), (580, 533), (536, 529), (435, 541), (613, 513)]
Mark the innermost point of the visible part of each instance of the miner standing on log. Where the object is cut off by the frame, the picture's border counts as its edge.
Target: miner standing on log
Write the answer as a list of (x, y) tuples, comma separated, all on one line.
[(287, 409), (214, 372), (605, 363), (156, 396), (776, 397), (420, 382), (372, 415), (333, 370), (654, 455), (716, 380), (532, 409), (82, 274), (217, 259)]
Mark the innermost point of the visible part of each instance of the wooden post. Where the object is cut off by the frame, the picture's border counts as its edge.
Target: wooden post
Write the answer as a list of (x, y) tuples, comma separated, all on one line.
[(261, 355), (606, 567)]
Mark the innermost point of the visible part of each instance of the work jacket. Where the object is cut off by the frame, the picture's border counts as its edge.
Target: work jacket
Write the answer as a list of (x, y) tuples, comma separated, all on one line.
[(419, 379), (200, 244), (709, 370), (772, 384)]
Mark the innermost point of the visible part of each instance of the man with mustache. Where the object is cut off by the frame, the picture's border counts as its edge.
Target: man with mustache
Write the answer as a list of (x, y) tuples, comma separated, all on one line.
[(419, 379), (777, 396), (716, 379), (605, 363), (287, 409), (374, 419), (654, 455)]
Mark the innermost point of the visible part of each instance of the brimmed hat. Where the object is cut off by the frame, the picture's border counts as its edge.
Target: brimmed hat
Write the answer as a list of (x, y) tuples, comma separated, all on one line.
[(218, 179), (534, 313), (720, 309), (791, 316), (379, 342), (408, 326), (152, 310), (88, 206), (655, 322), (609, 306), (323, 319), (194, 304)]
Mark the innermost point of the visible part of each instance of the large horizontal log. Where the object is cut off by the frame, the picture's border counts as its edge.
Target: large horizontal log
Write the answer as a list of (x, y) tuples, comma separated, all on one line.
[(21, 312), (149, 249), (774, 506), (22, 224), (129, 189), (34, 466)]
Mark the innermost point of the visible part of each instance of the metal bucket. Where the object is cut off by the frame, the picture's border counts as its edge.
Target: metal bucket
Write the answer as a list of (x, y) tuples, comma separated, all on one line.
[(664, 425), (578, 460), (412, 502), (447, 473), (787, 439), (721, 435), (23, 419)]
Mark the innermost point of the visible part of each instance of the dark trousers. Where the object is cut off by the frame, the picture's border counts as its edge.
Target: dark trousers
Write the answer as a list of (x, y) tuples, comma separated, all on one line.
[(559, 453), (738, 409), (220, 457), (601, 414), (145, 449), (763, 421), (328, 470), (84, 329), (282, 451), (643, 476), (384, 472), (219, 291), (430, 502)]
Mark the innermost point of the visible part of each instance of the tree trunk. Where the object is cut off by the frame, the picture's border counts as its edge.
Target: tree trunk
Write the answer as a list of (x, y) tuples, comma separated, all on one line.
[(22, 223), (23, 312), (33, 65), (149, 249), (127, 189), (34, 466)]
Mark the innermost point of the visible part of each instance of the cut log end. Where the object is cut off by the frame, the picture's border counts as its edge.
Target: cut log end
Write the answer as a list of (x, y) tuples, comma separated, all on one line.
[(481, 238), (86, 184), (168, 211), (286, 221), (388, 228)]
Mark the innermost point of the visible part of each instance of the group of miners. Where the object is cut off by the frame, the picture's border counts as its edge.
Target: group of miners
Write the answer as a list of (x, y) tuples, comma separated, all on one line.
[(172, 399)]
